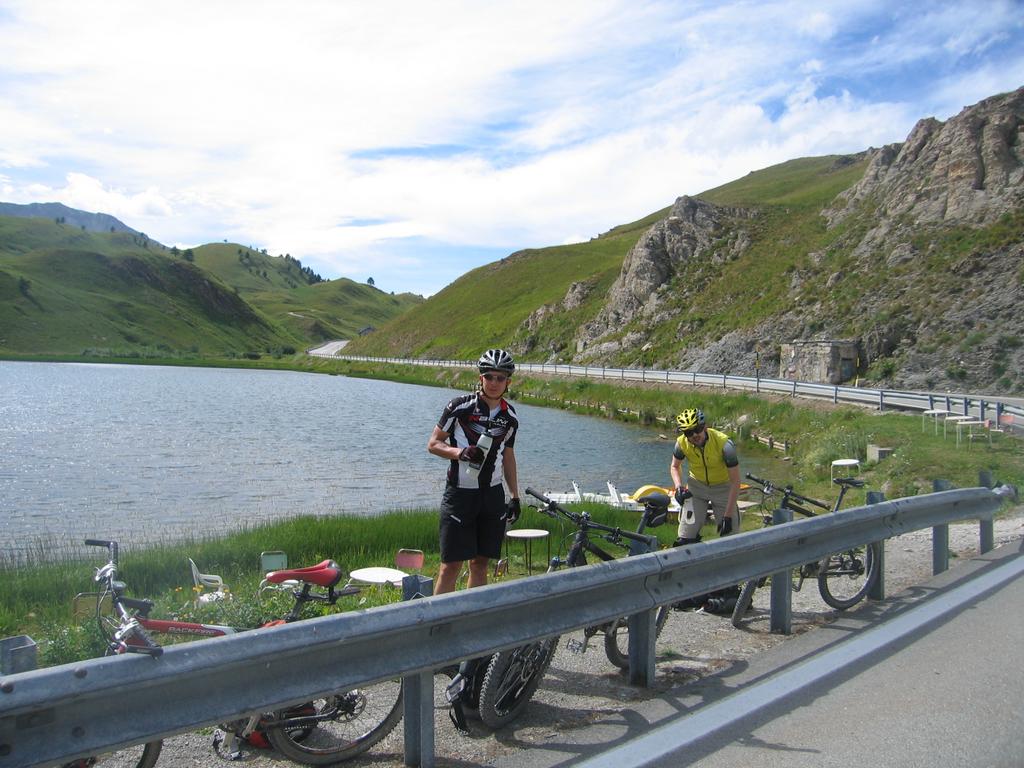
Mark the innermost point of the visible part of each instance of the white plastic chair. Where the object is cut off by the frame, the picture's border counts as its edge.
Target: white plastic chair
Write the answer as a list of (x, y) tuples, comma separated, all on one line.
[(203, 581)]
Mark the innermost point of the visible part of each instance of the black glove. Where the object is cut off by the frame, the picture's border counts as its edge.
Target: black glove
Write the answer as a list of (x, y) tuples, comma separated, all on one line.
[(512, 511), (471, 453), (682, 494)]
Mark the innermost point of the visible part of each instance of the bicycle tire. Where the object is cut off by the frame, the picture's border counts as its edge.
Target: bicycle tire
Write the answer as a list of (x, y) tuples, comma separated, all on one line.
[(845, 578), (511, 679), (743, 601), (352, 722), (616, 637), (129, 757)]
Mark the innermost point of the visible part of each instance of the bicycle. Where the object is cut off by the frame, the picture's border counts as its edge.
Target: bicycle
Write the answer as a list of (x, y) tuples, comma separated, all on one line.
[(318, 732), (844, 578), (616, 632)]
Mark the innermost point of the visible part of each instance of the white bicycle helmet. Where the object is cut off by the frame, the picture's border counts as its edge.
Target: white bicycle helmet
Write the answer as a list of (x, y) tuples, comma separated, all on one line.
[(496, 360)]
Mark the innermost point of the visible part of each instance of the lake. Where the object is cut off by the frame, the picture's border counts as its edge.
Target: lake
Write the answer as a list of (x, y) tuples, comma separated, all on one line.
[(143, 453)]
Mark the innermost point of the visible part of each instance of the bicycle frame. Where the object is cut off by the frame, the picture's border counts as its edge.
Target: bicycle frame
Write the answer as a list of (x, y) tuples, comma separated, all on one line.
[(856, 566), (323, 731)]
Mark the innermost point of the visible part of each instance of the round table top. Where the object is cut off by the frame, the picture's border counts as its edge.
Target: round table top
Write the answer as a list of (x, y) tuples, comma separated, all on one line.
[(845, 462), (527, 533), (378, 575)]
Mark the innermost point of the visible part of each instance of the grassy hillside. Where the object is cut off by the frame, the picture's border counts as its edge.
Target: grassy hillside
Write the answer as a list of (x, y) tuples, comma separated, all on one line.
[(486, 306), (784, 235), (67, 291), (296, 298)]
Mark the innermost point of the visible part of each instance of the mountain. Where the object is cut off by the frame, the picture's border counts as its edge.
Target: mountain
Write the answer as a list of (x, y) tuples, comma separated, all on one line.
[(89, 222), (913, 253), (67, 290)]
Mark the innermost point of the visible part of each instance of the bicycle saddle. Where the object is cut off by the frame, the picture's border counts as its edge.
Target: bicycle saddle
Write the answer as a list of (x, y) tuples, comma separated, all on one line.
[(850, 482), (655, 509), (324, 574)]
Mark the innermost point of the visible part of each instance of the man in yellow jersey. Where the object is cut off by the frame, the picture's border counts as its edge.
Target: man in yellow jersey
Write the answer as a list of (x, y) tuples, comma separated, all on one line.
[(713, 479)]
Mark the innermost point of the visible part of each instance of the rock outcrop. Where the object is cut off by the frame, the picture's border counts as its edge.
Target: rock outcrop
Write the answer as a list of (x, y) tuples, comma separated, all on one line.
[(693, 230), (925, 269)]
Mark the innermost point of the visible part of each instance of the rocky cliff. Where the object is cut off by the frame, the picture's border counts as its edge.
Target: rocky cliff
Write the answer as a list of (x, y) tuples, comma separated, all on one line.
[(920, 262)]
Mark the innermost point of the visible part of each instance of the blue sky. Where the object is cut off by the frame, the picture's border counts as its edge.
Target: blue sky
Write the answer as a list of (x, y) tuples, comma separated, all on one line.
[(411, 142)]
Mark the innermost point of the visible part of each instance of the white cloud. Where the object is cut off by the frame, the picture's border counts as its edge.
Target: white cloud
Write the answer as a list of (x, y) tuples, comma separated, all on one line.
[(339, 132)]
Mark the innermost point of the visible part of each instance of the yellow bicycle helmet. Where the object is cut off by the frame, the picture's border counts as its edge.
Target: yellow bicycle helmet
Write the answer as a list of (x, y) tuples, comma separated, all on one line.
[(690, 419)]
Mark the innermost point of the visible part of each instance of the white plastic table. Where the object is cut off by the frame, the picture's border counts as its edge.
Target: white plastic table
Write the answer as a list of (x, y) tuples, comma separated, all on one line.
[(970, 424), (935, 413), (842, 464), (527, 535), (954, 419), (378, 575)]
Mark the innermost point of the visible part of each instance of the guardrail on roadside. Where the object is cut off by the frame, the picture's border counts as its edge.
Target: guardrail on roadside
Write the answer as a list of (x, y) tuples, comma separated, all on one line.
[(999, 411), (52, 715)]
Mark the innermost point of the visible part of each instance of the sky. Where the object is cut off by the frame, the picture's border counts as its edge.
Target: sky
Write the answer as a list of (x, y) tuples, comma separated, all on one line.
[(411, 142)]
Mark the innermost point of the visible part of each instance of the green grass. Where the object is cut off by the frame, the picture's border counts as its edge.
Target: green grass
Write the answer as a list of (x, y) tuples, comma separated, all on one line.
[(38, 596), (64, 291), (486, 306)]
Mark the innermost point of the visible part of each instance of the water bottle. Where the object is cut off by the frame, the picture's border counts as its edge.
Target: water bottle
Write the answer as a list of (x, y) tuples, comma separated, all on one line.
[(484, 444)]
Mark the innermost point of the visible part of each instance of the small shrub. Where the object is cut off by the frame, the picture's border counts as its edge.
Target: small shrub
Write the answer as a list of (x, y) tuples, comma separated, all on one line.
[(67, 644)]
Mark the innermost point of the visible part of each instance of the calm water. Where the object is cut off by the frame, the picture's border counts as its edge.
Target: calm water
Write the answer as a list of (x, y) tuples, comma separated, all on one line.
[(143, 452)]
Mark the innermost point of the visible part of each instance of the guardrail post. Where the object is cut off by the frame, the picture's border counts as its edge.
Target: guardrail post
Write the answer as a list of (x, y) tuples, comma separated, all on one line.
[(642, 635), (418, 693), (877, 591), (17, 654), (782, 587), (986, 527), (940, 535)]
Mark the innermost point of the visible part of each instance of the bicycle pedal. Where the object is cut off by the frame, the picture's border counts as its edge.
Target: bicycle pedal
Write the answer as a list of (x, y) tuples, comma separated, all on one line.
[(455, 688), (576, 646), (226, 745)]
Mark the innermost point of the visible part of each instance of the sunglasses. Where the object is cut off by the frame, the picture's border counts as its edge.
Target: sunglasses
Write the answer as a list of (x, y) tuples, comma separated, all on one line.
[(692, 432), (498, 377)]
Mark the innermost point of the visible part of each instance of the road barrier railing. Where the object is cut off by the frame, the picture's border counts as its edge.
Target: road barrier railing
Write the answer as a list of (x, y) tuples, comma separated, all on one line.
[(1001, 412), (50, 716)]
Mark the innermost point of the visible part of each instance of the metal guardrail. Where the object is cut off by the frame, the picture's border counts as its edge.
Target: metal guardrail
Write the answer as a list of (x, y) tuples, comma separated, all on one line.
[(52, 715), (1000, 411)]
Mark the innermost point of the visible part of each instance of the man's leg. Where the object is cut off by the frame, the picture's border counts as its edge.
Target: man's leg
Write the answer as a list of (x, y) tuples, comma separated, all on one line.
[(447, 577), (478, 571)]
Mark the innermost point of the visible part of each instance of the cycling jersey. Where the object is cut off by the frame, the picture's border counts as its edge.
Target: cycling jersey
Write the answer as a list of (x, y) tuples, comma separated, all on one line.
[(710, 462), (465, 419)]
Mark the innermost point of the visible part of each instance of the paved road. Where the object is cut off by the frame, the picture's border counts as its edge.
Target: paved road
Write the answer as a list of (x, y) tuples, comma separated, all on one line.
[(939, 682), (330, 349)]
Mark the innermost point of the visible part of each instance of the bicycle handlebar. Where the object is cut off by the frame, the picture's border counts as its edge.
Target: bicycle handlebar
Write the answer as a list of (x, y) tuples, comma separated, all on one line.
[(111, 546), (552, 507), (768, 486)]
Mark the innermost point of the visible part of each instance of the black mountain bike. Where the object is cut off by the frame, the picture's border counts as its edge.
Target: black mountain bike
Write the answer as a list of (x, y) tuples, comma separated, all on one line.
[(844, 578), (616, 632)]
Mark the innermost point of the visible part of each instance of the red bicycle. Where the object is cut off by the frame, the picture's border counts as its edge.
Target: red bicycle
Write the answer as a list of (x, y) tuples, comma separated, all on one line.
[(318, 732)]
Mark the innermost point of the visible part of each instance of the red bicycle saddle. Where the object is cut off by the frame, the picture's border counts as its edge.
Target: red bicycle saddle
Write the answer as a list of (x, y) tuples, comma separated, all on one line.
[(323, 574)]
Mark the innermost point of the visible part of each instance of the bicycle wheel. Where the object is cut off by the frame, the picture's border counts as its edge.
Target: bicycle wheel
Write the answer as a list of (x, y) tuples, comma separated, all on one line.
[(743, 601), (139, 756), (347, 724), (616, 637), (511, 679), (844, 578)]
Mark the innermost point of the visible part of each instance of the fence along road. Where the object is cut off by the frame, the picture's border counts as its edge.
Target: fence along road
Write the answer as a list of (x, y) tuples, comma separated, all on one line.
[(1005, 412), (49, 716)]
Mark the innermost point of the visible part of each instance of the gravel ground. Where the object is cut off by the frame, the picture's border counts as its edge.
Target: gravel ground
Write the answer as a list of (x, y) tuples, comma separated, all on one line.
[(581, 689)]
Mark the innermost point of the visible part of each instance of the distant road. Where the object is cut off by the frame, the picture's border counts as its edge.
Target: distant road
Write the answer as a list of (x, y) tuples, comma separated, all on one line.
[(330, 349)]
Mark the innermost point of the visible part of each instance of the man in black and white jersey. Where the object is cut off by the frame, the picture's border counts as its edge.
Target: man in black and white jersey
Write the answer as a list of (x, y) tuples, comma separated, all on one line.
[(473, 509)]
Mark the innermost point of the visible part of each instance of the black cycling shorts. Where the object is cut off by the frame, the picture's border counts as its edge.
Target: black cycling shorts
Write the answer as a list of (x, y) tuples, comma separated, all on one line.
[(472, 523)]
